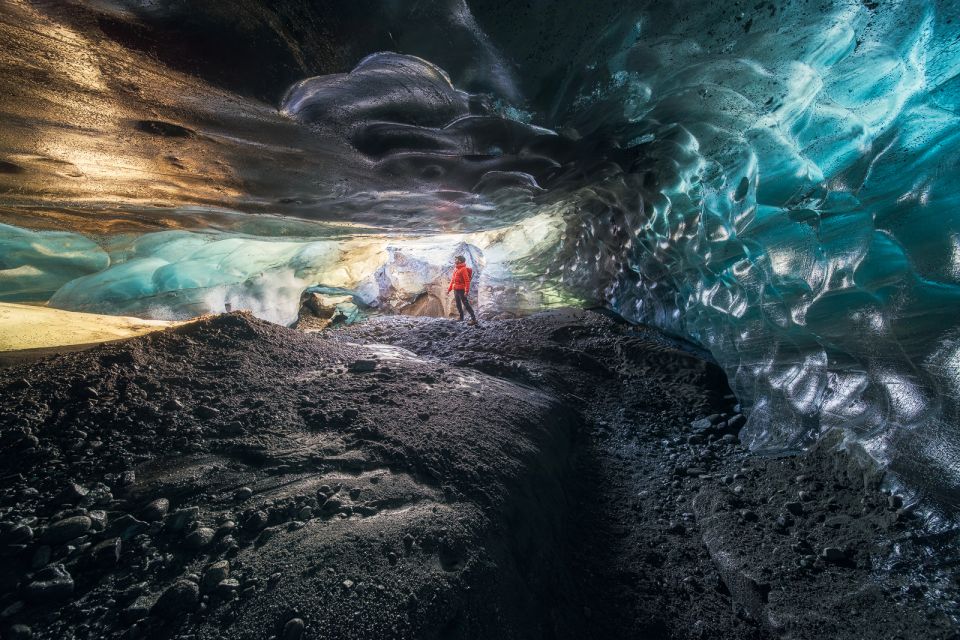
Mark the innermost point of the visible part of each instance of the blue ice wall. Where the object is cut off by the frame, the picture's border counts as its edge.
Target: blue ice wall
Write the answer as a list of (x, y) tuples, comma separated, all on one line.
[(799, 212), (33, 265)]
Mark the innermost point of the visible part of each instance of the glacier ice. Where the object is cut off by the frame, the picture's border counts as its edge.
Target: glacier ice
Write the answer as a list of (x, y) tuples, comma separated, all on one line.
[(799, 213)]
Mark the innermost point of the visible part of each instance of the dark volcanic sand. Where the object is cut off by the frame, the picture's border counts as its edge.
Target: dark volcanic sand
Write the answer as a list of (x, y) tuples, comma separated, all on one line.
[(535, 478)]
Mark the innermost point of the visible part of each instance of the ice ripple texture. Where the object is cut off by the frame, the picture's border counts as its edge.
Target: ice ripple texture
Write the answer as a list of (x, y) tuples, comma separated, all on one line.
[(798, 214)]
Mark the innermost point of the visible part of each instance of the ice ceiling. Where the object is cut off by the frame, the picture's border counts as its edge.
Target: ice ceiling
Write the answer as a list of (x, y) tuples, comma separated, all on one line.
[(776, 180)]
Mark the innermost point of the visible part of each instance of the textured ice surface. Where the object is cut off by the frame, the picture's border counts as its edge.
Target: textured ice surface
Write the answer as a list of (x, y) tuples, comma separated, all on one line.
[(799, 213), (775, 180)]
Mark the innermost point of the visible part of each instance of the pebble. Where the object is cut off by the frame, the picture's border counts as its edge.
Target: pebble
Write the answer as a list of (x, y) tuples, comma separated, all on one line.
[(362, 366), (19, 632), (199, 538), (51, 583), (206, 412), (98, 519), (182, 595), (66, 529), (332, 505), (12, 609), (107, 552), (41, 557), (181, 518), (138, 610), (214, 575), (701, 424), (243, 493), (833, 554), (156, 510), (19, 534), (126, 526), (72, 493), (257, 521), (293, 630), (227, 587)]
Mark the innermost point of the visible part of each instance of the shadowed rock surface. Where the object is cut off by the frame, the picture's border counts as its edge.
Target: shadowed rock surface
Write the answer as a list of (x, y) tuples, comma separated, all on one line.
[(559, 476)]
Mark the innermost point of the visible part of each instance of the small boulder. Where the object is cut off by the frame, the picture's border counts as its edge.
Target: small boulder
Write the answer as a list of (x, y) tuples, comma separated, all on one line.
[(66, 529), (833, 554), (199, 538), (362, 366), (205, 412), (214, 575), (293, 630), (182, 596), (156, 510), (50, 584), (20, 632), (181, 518), (106, 553)]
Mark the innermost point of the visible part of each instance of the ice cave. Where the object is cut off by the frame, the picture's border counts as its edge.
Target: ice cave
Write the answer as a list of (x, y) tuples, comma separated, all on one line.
[(714, 386)]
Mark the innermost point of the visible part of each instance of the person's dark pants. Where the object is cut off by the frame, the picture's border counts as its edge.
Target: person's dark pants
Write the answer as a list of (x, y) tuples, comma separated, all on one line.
[(461, 298)]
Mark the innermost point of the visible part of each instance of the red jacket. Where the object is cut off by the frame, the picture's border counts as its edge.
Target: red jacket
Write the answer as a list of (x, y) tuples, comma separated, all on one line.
[(461, 278)]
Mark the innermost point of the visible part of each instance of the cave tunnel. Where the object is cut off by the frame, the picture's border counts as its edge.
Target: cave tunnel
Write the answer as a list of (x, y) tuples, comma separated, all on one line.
[(711, 388)]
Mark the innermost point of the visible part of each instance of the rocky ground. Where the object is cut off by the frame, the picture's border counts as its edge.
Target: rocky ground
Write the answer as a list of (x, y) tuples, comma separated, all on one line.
[(559, 476)]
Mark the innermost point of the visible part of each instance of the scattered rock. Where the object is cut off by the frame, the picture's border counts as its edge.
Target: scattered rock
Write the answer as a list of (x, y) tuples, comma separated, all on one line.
[(41, 557), (19, 632), (226, 588), (156, 510), (51, 583), (214, 575), (256, 522), (205, 412), (293, 630), (199, 538), (362, 366), (182, 596), (66, 529), (182, 518), (833, 554), (106, 553), (72, 493), (19, 534), (98, 519), (126, 526), (137, 610)]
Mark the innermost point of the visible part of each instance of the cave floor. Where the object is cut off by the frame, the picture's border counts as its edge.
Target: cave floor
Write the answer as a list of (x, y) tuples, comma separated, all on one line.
[(559, 476)]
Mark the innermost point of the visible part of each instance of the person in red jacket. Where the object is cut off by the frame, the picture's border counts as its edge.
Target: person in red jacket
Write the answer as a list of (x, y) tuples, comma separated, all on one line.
[(460, 285)]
